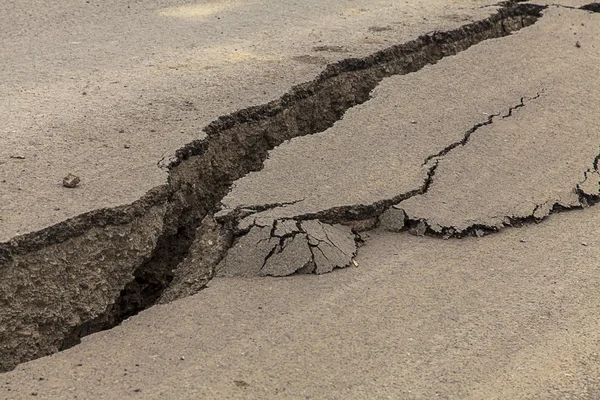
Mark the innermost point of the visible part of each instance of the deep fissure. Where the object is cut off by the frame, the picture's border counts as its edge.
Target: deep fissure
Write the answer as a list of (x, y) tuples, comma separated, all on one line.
[(356, 77), (204, 170)]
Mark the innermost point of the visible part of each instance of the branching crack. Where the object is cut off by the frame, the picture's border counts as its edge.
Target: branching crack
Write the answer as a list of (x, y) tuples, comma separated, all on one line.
[(489, 121), (241, 212), (200, 175), (585, 198)]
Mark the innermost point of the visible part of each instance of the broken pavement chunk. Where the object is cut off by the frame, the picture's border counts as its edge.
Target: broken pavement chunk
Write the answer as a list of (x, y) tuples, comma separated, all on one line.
[(247, 256), (286, 228), (393, 219), (290, 257), (332, 246), (289, 247)]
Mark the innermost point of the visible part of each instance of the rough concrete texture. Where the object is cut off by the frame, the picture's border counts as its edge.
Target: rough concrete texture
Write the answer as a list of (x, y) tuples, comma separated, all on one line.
[(178, 249), (288, 247), (49, 296), (508, 316), (106, 89), (191, 275), (540, 101)]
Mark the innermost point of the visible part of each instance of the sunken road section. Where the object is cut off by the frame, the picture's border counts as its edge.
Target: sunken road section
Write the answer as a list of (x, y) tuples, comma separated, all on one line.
[(91, 272)]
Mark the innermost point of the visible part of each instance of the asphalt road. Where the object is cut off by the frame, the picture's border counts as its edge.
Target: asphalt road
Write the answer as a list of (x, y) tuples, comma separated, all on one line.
[(517, 135), (507, 316), (107, 90)]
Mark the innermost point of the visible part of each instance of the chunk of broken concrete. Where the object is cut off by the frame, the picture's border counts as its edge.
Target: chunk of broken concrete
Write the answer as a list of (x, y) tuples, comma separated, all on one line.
[(289, 247), (247, 256), (292, 255), (393, 220), (332, 246)]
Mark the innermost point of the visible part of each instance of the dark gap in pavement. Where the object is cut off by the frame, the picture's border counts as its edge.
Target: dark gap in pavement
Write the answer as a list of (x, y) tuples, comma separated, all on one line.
[(199, 177), (593, 7)]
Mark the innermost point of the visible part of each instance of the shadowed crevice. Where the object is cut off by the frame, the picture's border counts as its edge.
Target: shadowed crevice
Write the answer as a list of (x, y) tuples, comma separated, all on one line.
[(166, 222)]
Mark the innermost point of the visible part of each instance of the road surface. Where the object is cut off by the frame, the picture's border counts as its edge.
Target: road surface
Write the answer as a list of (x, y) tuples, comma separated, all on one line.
[(415, 220)]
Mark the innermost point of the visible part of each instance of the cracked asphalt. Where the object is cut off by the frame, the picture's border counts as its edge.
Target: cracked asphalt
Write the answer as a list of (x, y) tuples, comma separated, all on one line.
[(501, 139), (107, 89), (538, 139), (508, 316)]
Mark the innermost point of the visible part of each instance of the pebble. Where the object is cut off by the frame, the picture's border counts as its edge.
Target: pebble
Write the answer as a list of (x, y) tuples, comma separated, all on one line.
[(71, 181)]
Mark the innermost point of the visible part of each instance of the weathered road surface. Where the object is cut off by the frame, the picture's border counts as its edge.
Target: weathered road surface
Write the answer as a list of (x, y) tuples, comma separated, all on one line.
[(507, 316), (454, 174), (81, 80)]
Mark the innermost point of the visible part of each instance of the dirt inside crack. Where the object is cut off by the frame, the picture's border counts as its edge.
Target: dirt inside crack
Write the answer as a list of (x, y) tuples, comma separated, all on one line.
[(93, 271)]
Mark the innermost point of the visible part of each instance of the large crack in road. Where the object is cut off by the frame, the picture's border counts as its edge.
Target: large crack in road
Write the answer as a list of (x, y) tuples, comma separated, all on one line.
[(558, 106), (75, 278)]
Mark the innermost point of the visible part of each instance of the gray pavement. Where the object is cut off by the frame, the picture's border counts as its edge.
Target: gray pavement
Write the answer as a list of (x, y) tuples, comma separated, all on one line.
[(107, 89), (498, 317), (503, 134), (538, 139)]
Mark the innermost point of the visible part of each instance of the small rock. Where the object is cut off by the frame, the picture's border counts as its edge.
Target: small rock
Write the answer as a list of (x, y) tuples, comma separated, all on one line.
[(420, 229), (127, 146), (479, 232), (71, 181), (241, 384), (182, 358), (17, 157), (584, 244), (413, 122), (523, 241), (393, 220), (577, 44), (121, 130)]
